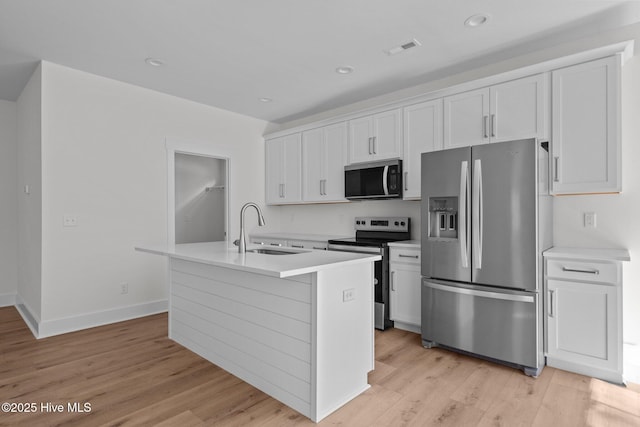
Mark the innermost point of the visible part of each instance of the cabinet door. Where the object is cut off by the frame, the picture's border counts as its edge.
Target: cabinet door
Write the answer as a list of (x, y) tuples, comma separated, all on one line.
[(334, 159), (273, 170), (376, 137), (586, 127), (404, 294), (292, 170), (360, 139), (466, 119), (313, 149), (582, 323), (422, 133), (387, 135), (518, 109), (283, 169), (324, 152)]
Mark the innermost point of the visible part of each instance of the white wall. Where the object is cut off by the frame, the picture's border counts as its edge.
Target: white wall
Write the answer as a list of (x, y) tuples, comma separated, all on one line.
[(29, 132), (8, 203), (104, 161)]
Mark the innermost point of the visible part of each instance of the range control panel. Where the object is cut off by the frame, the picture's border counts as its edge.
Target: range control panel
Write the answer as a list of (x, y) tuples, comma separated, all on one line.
[(367, 223)]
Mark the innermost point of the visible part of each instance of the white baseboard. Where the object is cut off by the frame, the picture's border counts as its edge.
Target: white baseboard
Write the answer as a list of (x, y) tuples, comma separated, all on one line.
[(50, 328), (7, 300), (28, 315)]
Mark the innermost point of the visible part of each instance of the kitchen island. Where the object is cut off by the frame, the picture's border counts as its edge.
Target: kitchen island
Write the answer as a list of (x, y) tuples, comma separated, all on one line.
[(297, 326)]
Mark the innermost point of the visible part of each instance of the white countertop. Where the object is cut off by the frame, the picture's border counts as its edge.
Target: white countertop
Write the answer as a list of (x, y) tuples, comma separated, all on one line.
[(219, 254), (414, 244), (297, 236), (589, 253)]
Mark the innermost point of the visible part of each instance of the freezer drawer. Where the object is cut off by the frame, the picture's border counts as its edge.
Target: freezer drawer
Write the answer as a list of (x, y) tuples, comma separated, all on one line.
[(489, 322)]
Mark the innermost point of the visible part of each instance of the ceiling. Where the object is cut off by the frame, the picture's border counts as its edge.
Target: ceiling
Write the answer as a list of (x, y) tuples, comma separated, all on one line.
[(231, 53)]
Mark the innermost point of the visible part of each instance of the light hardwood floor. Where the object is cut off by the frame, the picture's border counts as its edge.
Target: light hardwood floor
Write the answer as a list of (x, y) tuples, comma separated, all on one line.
[(132, 374)]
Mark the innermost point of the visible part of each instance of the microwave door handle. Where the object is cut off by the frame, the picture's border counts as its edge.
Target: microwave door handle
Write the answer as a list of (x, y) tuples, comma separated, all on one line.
[(385, 175), (462, 215)]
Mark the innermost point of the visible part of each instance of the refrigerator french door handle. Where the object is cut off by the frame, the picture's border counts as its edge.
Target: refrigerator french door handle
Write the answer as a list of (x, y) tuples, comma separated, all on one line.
[(476, 214), (462, 213), (385, 173), (481, 293)]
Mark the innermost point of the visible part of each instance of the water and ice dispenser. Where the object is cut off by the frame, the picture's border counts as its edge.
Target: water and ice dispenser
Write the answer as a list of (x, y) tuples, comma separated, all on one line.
[(443, 217)]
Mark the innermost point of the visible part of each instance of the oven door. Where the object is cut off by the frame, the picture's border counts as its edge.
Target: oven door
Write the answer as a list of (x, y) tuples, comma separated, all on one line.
[(380, 281)]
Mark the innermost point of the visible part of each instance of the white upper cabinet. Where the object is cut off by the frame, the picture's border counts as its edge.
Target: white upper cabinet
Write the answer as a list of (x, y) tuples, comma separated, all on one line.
[(513, 110), (585, 139), (324, 155), (466, 118), (283, 170), (422, 133), (376, 137), (519, 109)]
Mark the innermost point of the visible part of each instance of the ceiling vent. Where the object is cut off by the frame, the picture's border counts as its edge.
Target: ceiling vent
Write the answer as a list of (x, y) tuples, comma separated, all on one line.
[(403, 47)]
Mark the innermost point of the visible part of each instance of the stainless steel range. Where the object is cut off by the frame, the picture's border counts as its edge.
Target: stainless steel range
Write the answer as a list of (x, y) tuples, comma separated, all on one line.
[(372, 236)]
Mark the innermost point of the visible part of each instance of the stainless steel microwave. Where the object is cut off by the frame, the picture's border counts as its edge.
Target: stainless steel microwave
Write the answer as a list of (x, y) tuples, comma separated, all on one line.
[(373, 180)]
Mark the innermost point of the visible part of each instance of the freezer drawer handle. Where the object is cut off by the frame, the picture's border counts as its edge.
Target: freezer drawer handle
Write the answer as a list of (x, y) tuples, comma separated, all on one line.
[(479, 293), (579, 270)]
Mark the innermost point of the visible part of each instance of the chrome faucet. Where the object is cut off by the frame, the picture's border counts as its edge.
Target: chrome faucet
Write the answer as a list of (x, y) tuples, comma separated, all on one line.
[(242, 244)]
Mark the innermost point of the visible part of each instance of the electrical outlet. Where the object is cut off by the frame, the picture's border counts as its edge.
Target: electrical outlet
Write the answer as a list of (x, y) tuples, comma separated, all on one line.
[(590, 219), (124, 288), (69, 220), (348, 295)]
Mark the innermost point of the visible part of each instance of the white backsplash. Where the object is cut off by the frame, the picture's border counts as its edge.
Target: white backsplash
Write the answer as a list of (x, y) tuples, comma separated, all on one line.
[(337, 218)]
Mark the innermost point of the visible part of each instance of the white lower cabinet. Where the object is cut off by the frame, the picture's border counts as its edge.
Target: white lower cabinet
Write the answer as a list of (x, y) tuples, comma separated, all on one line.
[(404, 288), (584, 311)]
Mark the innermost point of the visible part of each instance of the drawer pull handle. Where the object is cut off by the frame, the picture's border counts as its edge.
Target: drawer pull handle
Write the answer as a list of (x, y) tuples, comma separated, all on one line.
[(297, 246), (407, 256), (319, 247), (578, 270)]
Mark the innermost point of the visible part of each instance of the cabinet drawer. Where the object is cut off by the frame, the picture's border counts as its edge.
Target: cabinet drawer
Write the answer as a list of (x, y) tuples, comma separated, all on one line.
[(408, 256), (592, 271), (308, 244), (268, 242)]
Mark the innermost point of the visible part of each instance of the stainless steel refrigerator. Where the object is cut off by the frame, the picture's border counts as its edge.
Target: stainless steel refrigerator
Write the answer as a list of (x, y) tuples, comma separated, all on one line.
[(486, 218)]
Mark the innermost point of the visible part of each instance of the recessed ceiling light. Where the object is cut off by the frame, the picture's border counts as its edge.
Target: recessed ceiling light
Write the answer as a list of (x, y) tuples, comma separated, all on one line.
[(265, 100), (154, 62), (344, 70), (476, 20)]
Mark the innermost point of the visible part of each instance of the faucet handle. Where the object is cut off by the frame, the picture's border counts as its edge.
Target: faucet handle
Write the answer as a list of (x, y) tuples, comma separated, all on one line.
[(236, 242)]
